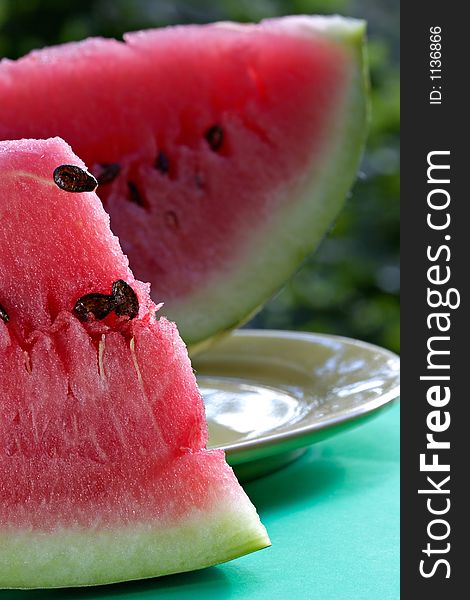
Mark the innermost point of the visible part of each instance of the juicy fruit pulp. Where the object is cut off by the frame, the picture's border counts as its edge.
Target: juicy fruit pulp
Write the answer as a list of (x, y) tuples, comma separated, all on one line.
[(223, 151), (104, 475)]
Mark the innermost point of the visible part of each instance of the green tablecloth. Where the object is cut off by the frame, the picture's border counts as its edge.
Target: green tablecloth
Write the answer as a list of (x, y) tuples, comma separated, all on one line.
[(333, 518)]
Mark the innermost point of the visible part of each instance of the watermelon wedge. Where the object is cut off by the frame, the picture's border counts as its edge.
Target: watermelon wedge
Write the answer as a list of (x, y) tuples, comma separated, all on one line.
[(104, 472), (223, 151)]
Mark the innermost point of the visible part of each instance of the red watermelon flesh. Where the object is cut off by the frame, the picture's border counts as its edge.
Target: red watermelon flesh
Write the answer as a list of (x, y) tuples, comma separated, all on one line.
[(224, 150), (104, 475)]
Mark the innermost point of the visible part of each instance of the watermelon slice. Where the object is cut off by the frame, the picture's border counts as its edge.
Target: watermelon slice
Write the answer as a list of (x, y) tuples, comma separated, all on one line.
[(104, 474), (224, 151)]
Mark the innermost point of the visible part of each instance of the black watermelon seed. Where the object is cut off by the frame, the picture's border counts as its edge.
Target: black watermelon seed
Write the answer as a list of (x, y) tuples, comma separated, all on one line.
[(134, 194), (99, 305), (215, 136), (74, 179), (125, 299), (162, 163), (4, 315), (108, 173), (171, 219), (200, 180)]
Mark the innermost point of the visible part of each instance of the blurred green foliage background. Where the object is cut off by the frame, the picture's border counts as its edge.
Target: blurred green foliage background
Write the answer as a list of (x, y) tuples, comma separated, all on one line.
[(351, 285)]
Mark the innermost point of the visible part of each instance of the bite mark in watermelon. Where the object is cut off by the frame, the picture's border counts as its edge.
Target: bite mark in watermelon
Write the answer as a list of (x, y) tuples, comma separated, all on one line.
[(224, 151), (104, 472)]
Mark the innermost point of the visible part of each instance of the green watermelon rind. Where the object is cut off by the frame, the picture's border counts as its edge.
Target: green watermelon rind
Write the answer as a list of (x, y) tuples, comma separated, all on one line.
[(276, 252), (72, 557)]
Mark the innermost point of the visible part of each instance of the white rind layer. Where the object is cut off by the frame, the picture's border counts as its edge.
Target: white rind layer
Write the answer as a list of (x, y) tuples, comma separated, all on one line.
[(81, 557)]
